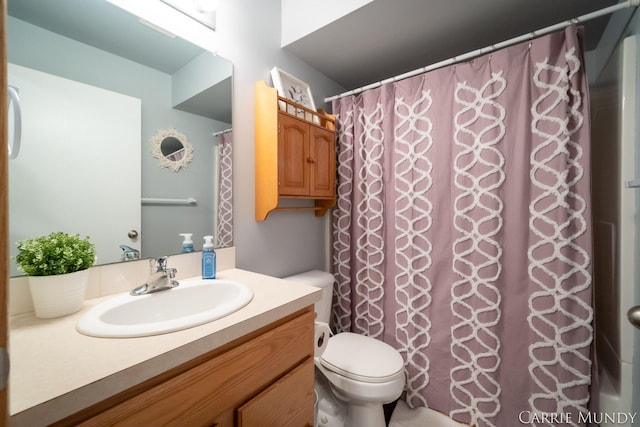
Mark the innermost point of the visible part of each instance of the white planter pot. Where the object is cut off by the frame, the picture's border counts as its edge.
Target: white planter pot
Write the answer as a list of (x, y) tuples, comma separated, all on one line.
[(56, 296)]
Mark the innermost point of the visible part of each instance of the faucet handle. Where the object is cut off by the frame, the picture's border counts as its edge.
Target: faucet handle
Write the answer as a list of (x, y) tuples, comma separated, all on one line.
[(158, 264), (171, 272)]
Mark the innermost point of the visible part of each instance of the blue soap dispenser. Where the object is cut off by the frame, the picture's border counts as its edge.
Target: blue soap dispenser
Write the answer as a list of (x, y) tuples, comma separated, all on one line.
[(187, 245), (208, 259)]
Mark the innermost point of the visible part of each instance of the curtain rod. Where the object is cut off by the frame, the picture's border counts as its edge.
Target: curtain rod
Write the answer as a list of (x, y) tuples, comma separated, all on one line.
[(493, 47), (221, 132)]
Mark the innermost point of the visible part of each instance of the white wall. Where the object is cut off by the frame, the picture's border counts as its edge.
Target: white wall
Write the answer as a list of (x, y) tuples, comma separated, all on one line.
[(634, 28), (617, 277), (300, 18), (287, 242)]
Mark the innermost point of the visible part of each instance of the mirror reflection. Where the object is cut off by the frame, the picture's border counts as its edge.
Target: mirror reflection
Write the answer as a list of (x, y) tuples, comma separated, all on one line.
[(92, 101), (172, 149)]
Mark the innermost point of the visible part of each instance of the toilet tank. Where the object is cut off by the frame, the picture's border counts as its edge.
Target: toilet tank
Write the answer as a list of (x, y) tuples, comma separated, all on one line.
[(319, 279)]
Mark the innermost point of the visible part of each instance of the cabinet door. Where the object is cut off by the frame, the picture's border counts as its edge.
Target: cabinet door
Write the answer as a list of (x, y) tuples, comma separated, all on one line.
[(209, 393), (287, 402), (322, 164), (293, 157)]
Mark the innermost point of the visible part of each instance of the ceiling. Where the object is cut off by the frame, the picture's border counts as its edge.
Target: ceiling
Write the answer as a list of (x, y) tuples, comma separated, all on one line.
[(107, 27), (383, 39), (386, 38)]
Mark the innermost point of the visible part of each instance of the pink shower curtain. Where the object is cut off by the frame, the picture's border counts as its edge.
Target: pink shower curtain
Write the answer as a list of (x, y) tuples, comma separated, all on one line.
[(224, 215), (462, 232)]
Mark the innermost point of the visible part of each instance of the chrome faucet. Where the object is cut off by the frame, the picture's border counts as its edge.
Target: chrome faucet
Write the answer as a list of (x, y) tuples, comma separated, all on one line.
[(161, 278), (129, 253)]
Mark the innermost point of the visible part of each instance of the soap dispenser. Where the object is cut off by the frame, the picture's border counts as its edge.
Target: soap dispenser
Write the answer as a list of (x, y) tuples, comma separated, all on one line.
[(208, 259), (187, 245)]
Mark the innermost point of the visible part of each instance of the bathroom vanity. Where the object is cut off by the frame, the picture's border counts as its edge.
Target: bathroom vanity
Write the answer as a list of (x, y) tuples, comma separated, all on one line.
[(252, 367)]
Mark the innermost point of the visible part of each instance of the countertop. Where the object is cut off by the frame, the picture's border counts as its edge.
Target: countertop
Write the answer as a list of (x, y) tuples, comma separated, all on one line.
[(56, 371)]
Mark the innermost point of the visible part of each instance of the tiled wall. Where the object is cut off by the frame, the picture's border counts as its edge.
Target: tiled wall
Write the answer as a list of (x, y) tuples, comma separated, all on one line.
[(121, 277)]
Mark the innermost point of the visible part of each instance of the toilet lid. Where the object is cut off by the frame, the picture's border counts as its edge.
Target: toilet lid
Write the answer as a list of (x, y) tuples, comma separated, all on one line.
[(361, 358)]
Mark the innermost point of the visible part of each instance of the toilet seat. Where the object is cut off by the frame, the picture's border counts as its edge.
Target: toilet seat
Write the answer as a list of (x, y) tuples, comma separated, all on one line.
[(362, 358)]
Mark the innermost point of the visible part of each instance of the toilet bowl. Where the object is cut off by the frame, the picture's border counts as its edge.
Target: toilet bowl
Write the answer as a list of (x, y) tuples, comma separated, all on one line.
[(362, 372)]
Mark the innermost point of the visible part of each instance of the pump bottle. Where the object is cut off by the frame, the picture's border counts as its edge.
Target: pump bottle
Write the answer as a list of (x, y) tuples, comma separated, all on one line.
[(208, 259), (187, 245)]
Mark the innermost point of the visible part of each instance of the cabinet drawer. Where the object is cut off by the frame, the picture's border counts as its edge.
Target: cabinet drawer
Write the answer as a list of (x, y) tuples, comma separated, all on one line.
[(287, 402)]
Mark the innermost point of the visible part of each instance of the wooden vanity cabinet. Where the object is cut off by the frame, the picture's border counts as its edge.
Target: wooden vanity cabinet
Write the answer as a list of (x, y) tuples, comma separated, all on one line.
[(295, 154), (266, 379)]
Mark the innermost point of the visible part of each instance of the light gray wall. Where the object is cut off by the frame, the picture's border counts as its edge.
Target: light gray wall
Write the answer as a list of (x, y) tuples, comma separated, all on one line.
[(248, 32)]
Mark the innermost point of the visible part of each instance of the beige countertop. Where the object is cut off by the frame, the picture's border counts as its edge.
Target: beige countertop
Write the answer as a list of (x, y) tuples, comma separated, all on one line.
[(56, 371)]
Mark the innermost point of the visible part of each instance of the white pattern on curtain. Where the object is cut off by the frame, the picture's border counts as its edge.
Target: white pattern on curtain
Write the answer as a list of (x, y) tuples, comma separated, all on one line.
[(462, 231), (224, 229)]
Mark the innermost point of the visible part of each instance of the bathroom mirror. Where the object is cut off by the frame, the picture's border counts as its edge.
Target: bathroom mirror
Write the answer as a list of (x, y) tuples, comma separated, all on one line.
[(172, 149), (167, 82)]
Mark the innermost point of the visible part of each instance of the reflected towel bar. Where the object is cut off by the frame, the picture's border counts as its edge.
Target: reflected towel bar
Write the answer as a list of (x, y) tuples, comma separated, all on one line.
[(634, 183), (155, 201)]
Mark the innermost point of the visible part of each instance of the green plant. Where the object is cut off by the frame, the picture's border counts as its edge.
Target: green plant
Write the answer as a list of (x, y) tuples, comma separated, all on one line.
[(57, 253)]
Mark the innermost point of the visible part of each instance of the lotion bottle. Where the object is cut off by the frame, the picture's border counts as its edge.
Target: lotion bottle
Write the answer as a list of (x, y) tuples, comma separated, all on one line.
[(187, 245), (208, 259)]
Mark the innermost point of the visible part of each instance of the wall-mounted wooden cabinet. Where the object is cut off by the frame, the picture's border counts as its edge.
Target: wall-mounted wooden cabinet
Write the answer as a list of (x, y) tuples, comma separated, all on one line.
[(295, 152)]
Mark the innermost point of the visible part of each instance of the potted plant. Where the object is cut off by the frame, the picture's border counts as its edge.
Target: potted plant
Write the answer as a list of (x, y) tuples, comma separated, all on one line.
[(57, 265)]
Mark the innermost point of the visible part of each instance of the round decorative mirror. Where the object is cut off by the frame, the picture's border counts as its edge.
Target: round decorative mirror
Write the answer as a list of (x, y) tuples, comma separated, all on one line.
[(172, 149)]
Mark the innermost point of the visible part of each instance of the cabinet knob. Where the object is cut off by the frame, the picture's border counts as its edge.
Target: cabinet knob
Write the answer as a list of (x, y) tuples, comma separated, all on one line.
[(310, 160)]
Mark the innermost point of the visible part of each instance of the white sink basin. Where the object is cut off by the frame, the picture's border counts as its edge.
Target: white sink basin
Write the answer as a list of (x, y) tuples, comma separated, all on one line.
[(193, 303)]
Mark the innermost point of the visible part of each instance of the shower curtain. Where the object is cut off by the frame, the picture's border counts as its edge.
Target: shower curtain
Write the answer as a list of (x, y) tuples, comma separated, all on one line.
[(462, 232), (224, 215)]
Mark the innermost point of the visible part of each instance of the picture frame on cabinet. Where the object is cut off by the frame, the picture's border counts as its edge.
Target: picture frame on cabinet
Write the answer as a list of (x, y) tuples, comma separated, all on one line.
[(294, 89)]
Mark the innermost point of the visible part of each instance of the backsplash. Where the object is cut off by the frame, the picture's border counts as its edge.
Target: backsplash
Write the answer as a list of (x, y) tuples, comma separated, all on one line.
[(121, 277)]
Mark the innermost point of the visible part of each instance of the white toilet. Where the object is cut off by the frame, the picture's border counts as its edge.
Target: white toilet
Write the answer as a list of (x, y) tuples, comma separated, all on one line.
[(362, 372)]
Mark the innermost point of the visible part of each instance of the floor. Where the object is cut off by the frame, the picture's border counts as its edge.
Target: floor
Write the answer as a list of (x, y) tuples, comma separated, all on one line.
[(404, 417)]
